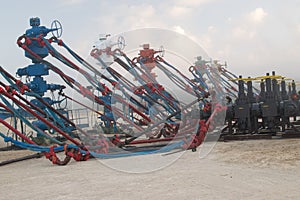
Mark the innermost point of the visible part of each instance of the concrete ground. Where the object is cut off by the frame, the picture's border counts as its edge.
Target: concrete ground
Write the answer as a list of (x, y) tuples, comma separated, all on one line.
[(261, 169)]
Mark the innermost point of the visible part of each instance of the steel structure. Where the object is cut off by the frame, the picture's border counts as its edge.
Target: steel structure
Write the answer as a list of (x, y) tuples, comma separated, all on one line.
[(136, 113), (150, 113)]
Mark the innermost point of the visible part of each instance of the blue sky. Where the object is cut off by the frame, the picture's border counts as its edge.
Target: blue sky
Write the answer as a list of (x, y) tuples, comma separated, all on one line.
[(254, 37)]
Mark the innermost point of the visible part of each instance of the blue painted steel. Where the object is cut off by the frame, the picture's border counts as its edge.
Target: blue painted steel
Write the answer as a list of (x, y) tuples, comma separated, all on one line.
[(21, 114), (34, 41), (37, 148), (34, 70), (108, 114), (37, 69), (35, 32), (4, 114)]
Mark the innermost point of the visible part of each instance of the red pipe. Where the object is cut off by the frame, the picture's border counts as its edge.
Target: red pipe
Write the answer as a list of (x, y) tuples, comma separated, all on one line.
[(152, 140), (39, 117), (16, 131), (55, 69)]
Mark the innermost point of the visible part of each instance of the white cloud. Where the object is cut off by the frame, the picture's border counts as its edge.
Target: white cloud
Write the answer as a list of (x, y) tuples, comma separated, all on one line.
[(185, 7), (212, 29), (179, 29), (298, 28), (258, 15), (148, 10), (147, 18), (243, 32), (128, 17), (179, 11), (71, 2), (248, 26), (205, 41), (193, 2)]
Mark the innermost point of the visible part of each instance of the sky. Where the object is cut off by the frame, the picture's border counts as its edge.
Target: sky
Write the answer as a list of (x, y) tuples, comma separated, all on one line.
[(253, 37)]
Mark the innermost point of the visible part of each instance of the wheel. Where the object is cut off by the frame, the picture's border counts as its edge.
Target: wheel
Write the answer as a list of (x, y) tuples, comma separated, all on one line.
[(121, 42), (56, 29), (161, 51)]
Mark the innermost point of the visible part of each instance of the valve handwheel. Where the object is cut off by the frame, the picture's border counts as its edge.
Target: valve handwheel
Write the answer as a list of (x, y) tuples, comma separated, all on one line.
[(161, 51), (57, 28), (121, 42)]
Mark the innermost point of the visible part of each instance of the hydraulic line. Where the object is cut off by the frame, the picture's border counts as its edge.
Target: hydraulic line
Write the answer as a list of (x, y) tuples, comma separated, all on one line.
[(81, 89), (3, 92), (162, 121), (10, 108)]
